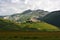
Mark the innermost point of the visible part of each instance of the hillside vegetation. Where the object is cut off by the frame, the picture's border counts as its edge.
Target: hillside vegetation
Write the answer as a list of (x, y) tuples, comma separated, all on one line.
[(8, 25), (31, 26), (42, 26), (53, 18)]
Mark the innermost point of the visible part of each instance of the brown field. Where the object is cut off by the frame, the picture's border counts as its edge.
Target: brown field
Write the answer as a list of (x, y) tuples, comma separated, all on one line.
[(10, 35)]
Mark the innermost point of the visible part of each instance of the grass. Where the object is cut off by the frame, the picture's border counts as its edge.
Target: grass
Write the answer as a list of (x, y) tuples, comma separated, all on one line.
[(27, 26), (6, 35), (27, 35), (40, 26)]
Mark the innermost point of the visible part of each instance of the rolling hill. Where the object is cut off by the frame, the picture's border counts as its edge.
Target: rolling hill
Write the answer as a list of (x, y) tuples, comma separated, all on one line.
[(8, 25), (53, 18), (38, 26), (41, 26)]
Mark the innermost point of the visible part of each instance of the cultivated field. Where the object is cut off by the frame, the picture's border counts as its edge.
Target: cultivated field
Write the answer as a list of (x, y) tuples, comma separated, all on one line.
[(10, 35)]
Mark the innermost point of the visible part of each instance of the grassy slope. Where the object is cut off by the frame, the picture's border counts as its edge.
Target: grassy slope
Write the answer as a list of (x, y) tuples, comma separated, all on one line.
[(8, 25), (40, 26)]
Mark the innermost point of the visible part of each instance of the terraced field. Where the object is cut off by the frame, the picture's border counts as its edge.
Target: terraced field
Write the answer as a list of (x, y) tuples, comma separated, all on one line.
[(16, 35)]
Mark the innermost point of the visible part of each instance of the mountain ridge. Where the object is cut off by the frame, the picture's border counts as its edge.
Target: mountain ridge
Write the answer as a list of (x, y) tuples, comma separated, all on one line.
[(53, 18), (28, 14)]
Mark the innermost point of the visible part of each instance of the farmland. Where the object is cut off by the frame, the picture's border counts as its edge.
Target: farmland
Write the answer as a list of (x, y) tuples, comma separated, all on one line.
[(16, 35)]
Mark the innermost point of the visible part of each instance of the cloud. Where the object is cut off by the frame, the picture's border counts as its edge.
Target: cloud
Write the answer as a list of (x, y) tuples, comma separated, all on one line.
[(15, 1), (8, 7), (49, 5)]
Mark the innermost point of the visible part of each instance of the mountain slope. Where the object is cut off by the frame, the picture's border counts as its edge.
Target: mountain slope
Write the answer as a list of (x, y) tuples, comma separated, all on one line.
[(26, 15), (53, 18), (8, 25), (41, 26)]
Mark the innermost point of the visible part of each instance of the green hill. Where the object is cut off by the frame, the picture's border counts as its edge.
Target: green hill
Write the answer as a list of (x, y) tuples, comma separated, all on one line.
[(38, 26), (8, 25), (42, 26)]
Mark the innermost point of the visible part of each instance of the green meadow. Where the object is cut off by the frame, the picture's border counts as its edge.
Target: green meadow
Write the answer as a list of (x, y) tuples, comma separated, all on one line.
[(10, 30), (10, 35)]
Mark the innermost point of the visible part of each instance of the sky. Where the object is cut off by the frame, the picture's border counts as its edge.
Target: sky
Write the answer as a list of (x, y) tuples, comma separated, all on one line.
[(8, 7)]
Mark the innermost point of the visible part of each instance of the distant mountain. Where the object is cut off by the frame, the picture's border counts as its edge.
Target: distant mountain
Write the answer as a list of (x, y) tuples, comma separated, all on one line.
[(1, 16), (10, 22), (26, 15), (53, 18), (27, 11)]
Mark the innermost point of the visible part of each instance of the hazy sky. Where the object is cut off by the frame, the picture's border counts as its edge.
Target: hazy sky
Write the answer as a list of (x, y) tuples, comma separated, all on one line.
[(16, 6)]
